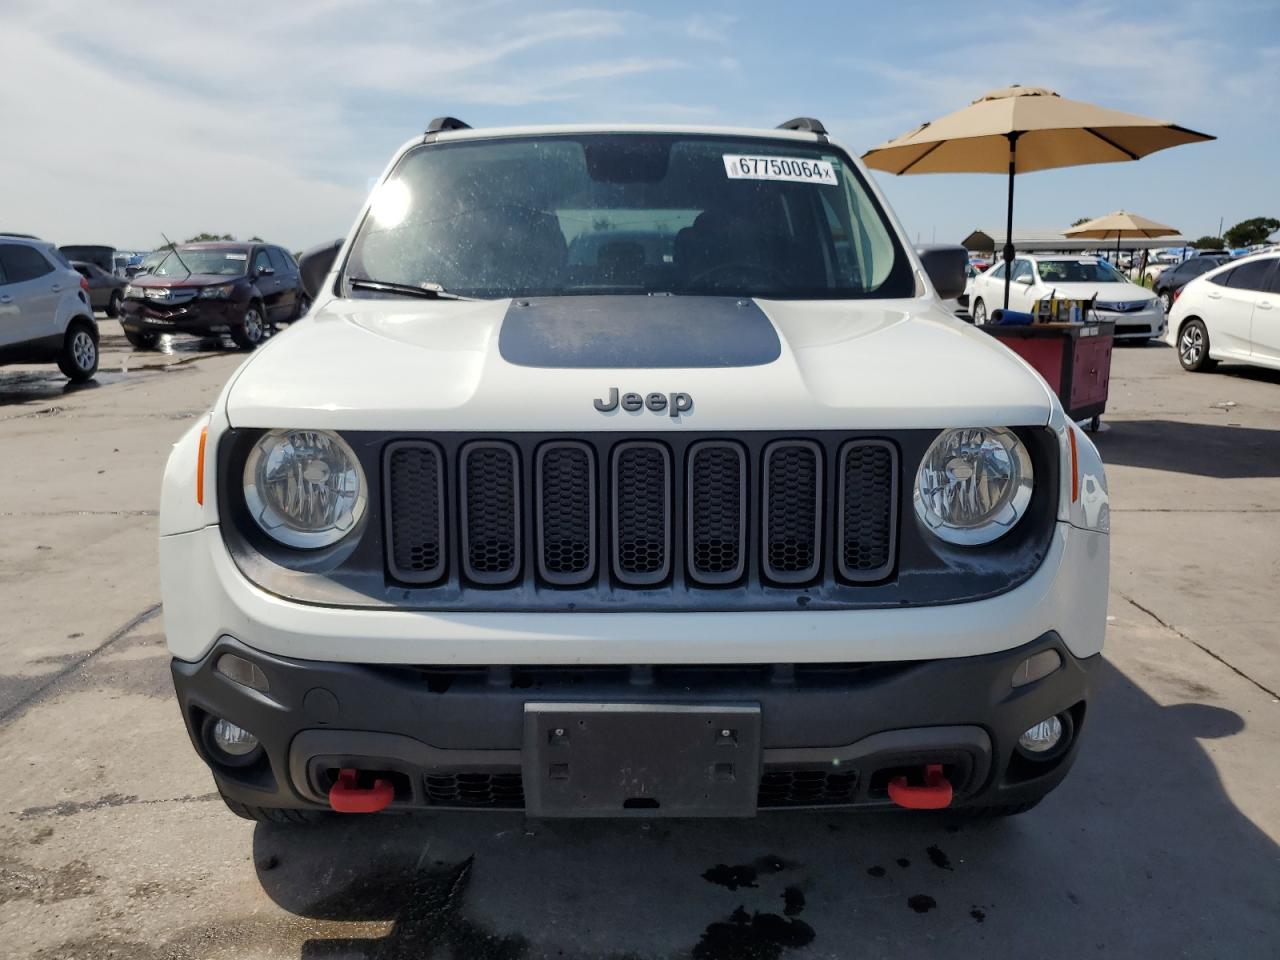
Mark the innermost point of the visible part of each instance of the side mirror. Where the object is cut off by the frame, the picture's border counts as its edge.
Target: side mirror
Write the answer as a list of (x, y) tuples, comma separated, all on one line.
[(314, 265), (944, 263), (1025, 280)]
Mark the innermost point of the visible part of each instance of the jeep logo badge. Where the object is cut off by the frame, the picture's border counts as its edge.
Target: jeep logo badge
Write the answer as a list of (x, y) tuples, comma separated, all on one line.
[(674, 403)]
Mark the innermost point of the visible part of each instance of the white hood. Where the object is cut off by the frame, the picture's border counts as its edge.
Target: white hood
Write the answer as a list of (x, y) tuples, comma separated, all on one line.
[(406, 365)]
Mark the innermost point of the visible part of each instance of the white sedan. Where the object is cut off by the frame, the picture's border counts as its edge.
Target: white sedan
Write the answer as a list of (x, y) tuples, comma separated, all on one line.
[(1136, 313), (1231, 313)]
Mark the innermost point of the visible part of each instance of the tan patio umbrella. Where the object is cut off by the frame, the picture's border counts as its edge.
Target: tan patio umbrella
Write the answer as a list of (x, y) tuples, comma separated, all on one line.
[(1122, 223), (1021, 129)]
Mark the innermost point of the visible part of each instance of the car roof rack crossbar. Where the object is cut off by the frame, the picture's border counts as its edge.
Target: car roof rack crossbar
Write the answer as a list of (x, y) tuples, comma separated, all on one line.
[(808, 124), (441, 124)]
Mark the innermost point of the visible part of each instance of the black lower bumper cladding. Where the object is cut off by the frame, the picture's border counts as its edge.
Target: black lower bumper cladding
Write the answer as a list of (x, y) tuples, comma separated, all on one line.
[(196, 316), (718, 740)]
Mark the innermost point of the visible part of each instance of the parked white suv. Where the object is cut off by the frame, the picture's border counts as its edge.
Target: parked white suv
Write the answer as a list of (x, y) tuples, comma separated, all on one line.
[(45, 315), (628, 471)]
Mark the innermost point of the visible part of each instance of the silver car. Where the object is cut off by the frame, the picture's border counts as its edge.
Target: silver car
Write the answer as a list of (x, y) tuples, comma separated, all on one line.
[(45, 314)]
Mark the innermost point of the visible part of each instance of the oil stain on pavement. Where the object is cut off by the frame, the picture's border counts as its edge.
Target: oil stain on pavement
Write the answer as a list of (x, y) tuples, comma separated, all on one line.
[(746, 874)]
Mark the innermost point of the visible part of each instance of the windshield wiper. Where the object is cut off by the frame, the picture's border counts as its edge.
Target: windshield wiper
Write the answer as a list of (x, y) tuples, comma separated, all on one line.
[(427, 291)]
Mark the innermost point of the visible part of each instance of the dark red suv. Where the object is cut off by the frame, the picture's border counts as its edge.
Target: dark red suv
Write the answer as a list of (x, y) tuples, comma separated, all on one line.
[(244, 289)]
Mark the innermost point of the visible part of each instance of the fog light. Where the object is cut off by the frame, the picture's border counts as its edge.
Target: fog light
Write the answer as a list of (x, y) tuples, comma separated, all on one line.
[(232, 740), (1043, 737), (243, 672)]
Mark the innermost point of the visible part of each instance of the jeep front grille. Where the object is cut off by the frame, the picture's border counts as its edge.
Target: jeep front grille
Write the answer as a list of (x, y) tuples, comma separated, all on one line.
[(702, 512)]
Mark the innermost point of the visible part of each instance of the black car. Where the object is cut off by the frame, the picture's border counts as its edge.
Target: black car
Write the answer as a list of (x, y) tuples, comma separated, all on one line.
[(244, 289), (106, 290), (1171, 281)]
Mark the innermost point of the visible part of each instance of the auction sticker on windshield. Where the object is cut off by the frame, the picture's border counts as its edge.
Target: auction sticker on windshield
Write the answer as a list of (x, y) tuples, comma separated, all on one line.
[(793, 169)]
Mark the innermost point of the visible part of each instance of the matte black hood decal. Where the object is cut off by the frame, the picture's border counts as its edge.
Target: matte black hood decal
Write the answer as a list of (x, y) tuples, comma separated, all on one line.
[(637, 331)]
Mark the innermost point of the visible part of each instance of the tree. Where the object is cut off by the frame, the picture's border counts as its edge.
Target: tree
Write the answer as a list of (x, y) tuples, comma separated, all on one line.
[(202, 237), (1248, 232), (256, 240), (1208, 243), (1079, 220)]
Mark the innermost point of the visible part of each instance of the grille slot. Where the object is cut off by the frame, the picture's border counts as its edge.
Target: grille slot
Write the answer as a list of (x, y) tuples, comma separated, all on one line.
[(566, 513), (490, 512), (867, 509), (415, 495), (641, 485), (716, 496), (792, 510), (475, 789), (794, 787)]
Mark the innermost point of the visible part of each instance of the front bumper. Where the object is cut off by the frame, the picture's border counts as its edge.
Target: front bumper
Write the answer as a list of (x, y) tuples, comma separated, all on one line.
[(194, 316), (824, 735), (1144, 325)]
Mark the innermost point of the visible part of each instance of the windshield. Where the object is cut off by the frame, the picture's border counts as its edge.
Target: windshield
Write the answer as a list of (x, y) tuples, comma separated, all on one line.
[(221, 263), (1078, 271), (630, 213)]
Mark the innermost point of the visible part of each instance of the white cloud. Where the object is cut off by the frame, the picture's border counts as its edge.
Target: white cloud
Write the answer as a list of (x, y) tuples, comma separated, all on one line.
[(255, 118)]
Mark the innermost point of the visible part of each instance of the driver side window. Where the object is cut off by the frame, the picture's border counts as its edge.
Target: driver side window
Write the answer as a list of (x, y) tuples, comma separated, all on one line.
[(261, 260), (1022, 271)]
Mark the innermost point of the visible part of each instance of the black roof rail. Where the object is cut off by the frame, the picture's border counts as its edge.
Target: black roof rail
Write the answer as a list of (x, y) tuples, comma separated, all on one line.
[(440, 124), (805, 123)]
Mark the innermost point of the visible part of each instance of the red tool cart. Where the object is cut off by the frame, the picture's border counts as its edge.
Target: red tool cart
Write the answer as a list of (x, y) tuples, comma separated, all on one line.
[(1074, 358)]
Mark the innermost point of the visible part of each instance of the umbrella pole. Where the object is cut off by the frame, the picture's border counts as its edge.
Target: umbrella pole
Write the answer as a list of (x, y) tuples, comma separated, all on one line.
[(1008, 230)]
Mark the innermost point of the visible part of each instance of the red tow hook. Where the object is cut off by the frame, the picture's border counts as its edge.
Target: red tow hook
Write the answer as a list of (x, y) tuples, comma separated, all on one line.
[(346, 796), (934, 795)]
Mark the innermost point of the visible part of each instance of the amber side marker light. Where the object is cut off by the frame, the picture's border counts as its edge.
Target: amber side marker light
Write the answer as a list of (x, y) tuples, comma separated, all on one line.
[(1071, 436), (204, 435)]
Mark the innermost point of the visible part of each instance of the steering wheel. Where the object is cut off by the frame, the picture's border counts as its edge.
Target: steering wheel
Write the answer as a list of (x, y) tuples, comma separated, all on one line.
[(747, 270)]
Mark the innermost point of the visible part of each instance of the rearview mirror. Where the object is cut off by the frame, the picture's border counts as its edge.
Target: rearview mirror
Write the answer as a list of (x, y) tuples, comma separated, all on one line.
[(944, 263), (314, 265)]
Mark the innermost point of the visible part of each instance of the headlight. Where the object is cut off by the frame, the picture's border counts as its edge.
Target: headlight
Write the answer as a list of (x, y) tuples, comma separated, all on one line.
[(155, 293), (304, 488), (973, 484), (217, 293), (128, 291)]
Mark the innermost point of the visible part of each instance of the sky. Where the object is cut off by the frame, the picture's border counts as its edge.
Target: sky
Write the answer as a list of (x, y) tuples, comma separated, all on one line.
[(122, 120)]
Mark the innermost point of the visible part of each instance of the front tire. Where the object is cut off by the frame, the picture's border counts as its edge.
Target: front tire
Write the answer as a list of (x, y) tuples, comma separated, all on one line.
[(1193, 347), (1166, 301), (113, 305), (79, 358), (979, 313), (250, 332)]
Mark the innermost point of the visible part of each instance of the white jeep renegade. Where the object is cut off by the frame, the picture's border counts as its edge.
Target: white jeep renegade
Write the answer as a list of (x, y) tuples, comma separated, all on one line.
[(629, 471)]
